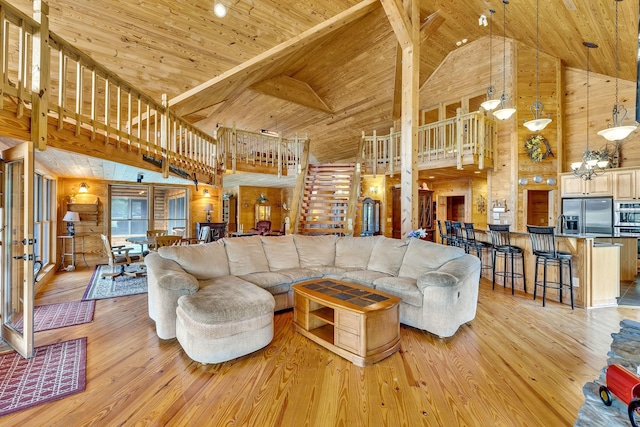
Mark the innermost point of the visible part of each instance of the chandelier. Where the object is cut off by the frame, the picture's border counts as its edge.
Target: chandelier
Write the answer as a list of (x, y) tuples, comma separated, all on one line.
[(593, 163), (504, 113), (538, 123), (617, 131), (490, 103)]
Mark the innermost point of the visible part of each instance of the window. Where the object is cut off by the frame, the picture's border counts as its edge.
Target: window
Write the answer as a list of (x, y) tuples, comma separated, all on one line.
[(43, 207), (170, 208), (129, 211), (132, 213)]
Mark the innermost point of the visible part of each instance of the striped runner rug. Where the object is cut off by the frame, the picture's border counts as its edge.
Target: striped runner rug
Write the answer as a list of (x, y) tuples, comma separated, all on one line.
[(53, 316), (56, 371)]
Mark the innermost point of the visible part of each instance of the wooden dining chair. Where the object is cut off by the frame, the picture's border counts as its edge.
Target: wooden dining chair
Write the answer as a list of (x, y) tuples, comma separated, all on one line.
[(151, 237), (167, 241)]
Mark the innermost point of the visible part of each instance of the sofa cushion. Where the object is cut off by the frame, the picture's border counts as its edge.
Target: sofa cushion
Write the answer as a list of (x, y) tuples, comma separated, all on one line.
[(223, 303), (275, 283), (201, 261), (387, 255), (363, 277), (315, 250), (422, 256), (403, 287), (280, 251), (328, 270), (296, 275), (246, 255), (354, 252)]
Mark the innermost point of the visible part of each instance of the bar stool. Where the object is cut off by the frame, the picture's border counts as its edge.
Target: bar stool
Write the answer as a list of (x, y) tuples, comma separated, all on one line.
[(451, 237), (502, 248), (543, 245), (482, 249), (444, 238), (459, 237)]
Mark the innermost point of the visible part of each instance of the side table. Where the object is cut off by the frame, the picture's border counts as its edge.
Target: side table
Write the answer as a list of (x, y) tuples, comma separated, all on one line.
[(69, 250)]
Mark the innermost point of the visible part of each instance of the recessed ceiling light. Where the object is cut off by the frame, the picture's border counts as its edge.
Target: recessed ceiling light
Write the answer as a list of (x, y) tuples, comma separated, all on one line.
[(431, 177), (219, 10), (476, 171)]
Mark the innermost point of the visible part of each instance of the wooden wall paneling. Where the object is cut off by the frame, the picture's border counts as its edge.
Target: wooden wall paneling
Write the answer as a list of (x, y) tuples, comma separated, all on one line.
[(247, 199), (93, 247), (548, 95), (601, 98)]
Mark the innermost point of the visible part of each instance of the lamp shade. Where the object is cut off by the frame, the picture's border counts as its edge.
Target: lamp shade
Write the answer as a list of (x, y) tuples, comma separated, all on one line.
[(616, 133), (504, 113), (537, 124), (208, 207), (71, 216)]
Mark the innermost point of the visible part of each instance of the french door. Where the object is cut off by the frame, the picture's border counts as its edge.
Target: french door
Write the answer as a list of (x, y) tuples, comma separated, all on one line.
[(16, 298)]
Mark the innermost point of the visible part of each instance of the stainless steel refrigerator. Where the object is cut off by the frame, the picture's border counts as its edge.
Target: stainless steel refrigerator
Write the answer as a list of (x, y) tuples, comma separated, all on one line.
[(587, 215)]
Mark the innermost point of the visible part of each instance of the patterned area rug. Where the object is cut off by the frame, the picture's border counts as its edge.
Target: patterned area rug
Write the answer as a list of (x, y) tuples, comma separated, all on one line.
[(56, 371), (100, 288), (53, 316)]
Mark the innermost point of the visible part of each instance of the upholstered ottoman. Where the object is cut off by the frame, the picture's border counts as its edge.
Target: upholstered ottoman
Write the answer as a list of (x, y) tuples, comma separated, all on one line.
[(224, 320)]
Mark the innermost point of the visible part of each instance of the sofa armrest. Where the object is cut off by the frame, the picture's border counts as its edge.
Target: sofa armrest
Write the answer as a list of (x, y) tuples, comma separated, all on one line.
[(167, 274), (450, 273), (167, 282)]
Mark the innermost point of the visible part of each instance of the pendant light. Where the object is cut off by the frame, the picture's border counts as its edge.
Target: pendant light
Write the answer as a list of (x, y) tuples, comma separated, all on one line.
[(617, 132), (538, 123), (591, 164), (490, 103), (504, 113)]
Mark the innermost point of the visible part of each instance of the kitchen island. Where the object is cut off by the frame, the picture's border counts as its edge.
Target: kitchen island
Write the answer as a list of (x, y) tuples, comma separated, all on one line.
[(600, 261)]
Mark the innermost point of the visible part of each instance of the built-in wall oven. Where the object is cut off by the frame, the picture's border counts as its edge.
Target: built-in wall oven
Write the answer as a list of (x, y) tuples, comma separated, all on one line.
[(626, 220), (626, 214)]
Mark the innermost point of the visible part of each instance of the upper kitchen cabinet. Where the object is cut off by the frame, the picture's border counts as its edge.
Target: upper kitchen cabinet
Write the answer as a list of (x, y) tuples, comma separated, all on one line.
[(626, 184), (572, 186)]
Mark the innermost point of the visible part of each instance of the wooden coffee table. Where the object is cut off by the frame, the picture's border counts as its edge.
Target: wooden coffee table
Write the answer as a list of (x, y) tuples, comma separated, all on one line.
[(355, 322)]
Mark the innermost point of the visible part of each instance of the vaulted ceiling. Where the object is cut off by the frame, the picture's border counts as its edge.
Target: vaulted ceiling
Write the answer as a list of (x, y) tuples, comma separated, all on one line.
[(337, 57)]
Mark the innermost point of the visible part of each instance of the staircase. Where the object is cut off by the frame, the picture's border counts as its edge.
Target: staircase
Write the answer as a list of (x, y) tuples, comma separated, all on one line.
[(325, 200)]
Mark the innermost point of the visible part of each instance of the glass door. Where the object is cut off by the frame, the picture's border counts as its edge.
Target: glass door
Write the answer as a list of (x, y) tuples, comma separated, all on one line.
[(18, 257)]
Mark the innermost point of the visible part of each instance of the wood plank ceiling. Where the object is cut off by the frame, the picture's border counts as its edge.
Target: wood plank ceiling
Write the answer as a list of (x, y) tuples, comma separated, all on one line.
[(173, 46)]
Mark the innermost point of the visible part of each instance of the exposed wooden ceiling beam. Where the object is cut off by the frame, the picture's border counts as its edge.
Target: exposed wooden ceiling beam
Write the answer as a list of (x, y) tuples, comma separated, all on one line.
[(431, 25), (399, 21), (427, 29), (292, 90), (249, 72)]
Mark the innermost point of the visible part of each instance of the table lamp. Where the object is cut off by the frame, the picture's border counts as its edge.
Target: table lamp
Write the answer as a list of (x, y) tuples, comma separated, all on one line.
[(71, 217), (208, 208)]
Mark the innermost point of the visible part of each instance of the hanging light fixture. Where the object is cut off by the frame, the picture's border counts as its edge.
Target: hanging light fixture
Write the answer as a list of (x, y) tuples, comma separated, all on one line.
[(592, 163), (504, 113), (490, 103), (617, 131), (538, 123)]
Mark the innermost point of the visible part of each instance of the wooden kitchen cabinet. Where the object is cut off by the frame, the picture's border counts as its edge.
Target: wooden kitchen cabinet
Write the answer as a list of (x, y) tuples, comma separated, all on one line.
[(626, 184), (572, 186)]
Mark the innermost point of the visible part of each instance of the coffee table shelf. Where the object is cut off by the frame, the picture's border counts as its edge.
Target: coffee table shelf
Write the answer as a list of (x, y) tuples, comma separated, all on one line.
[(355, 322), (325, 314)]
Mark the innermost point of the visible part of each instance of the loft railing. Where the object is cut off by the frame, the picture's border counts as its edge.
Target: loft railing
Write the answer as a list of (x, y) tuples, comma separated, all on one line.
[(463, 139), (239, 147), (44, 73)]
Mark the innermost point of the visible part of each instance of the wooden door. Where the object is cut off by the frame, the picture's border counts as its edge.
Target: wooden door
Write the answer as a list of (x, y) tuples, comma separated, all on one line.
[(396, 214)]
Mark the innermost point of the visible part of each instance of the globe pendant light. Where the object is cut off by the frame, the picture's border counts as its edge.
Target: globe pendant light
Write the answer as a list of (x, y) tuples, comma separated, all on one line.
[(617, 132), (592, 164), (490, 103), (504, 113), (537, 124)]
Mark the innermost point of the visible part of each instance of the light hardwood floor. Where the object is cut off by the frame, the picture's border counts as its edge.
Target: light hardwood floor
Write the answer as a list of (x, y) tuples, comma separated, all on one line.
[(516, 364)]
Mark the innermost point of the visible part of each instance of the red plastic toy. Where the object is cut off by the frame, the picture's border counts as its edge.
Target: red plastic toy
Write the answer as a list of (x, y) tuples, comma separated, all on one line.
[(625, 385)]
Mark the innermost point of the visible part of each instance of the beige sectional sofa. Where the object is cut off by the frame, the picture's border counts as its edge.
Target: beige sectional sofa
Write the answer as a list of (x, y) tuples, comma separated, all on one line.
[(438, 284)]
